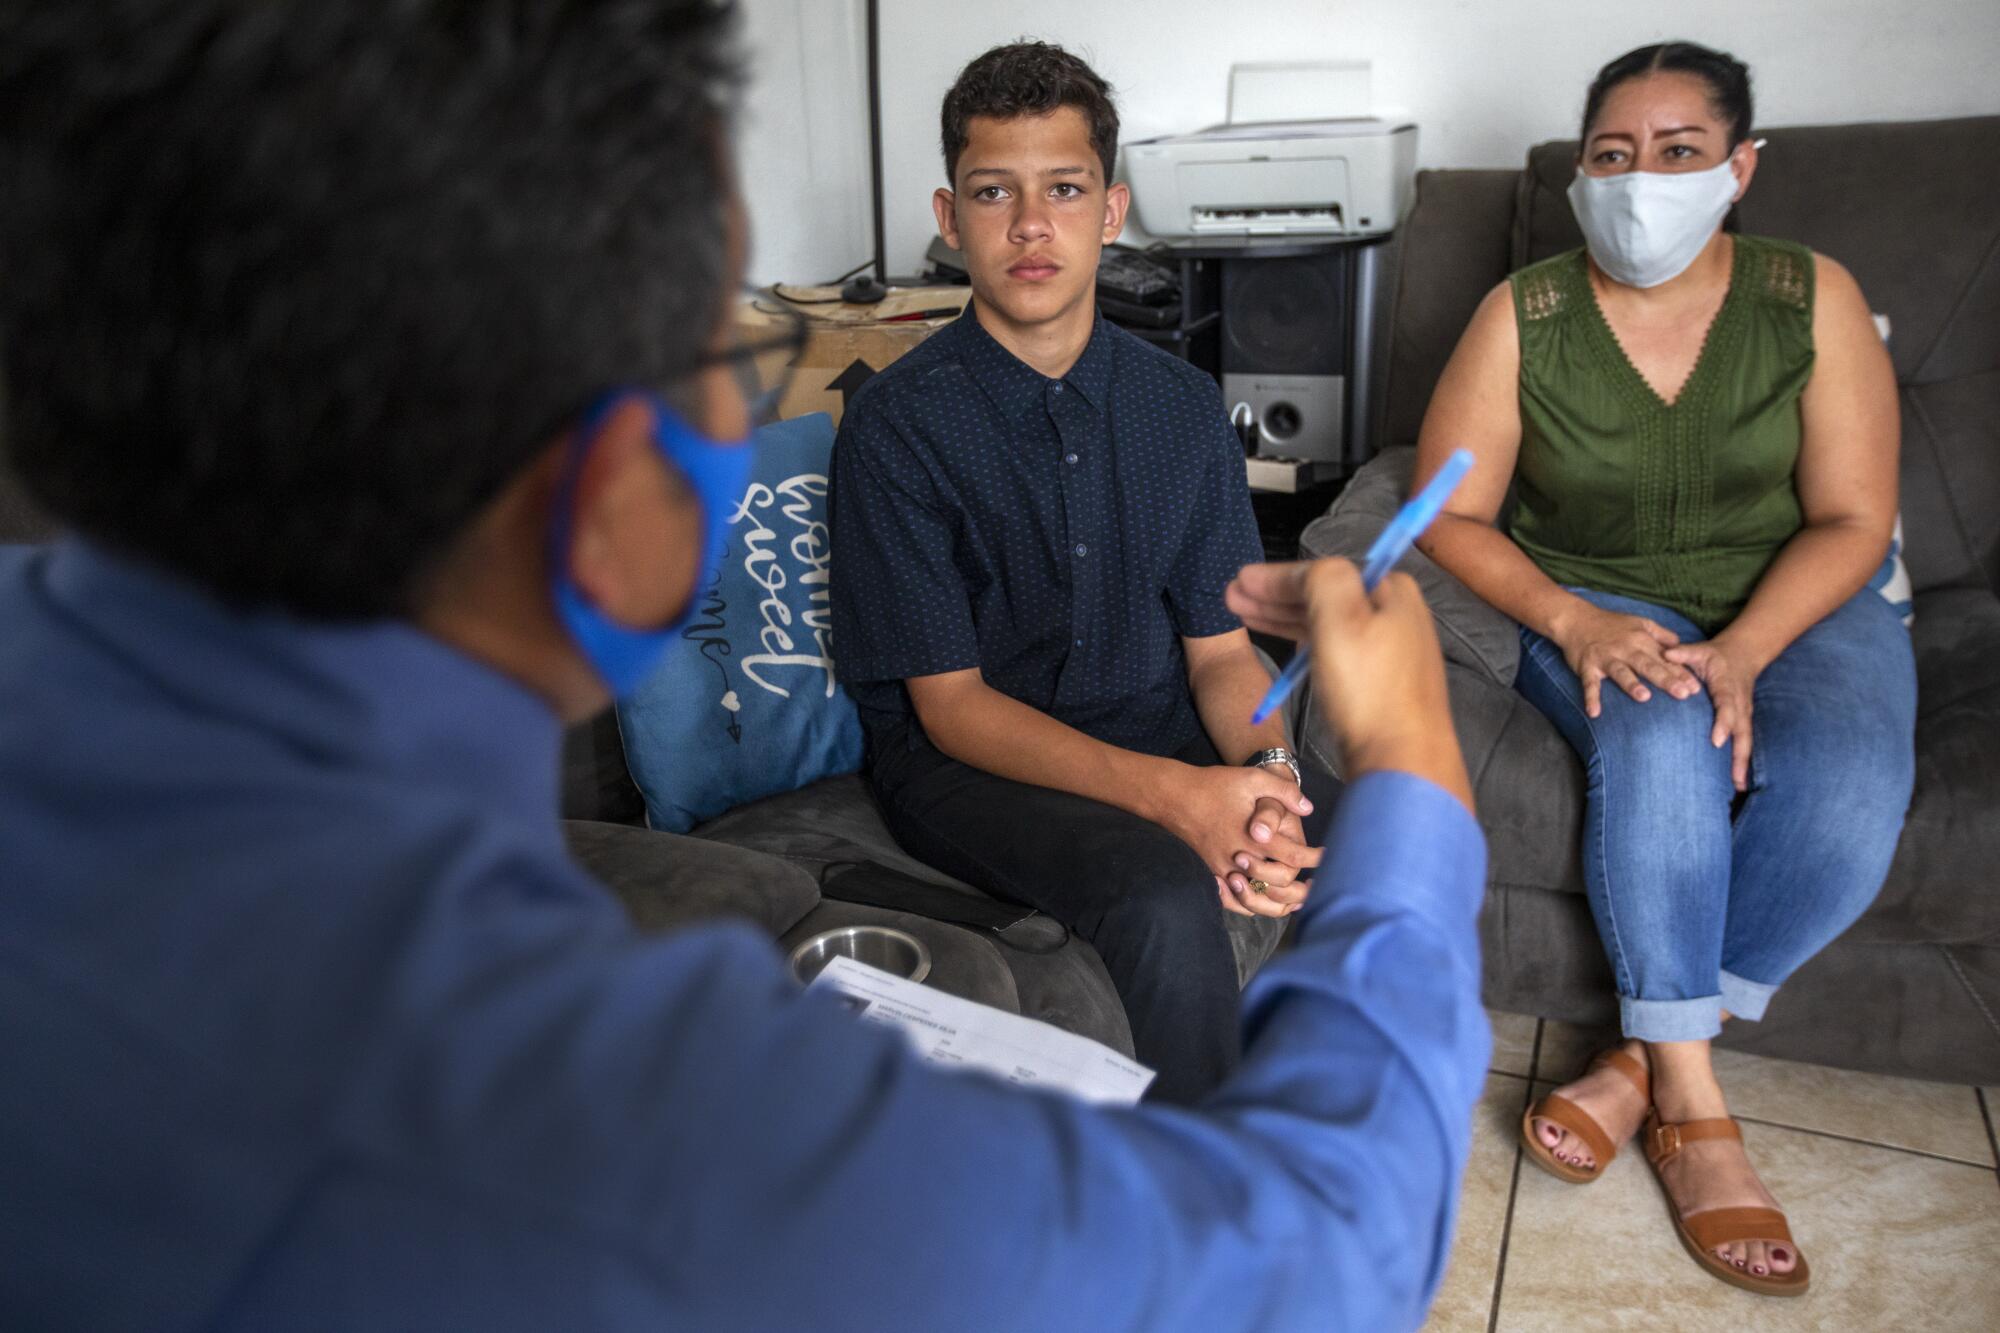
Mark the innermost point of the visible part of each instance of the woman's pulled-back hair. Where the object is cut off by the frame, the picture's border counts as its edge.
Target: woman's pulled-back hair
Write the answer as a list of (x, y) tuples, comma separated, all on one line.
[(1728, 81)]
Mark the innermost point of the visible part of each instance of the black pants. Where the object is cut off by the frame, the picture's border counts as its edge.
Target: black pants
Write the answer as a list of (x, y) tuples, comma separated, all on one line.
[(1138, 894)]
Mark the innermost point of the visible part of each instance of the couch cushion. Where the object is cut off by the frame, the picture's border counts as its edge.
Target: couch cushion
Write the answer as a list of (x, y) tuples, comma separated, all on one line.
[(595, 783), (1908, 208), (1544, 223), (1453, 248), (1471, 632), (744, 704), (1941, 888), (826, 823), (1951, 482), (666, 880)]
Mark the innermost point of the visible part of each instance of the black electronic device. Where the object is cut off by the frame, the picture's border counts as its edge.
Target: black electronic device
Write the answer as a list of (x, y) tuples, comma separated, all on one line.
[(1285, 334), (1136, 278), (864, 290), (944, 266), (1133, 316)]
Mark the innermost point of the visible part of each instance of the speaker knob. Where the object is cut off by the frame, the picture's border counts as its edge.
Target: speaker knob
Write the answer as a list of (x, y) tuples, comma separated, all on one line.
[(1281, 421)]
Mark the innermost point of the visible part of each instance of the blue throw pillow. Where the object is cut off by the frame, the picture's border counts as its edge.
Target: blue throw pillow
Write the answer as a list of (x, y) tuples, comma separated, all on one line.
[(745, 704), (1892, 580)]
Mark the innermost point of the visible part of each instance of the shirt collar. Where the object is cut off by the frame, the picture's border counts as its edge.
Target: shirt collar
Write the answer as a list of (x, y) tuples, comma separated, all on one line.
[(378, 697), (1014, 386)]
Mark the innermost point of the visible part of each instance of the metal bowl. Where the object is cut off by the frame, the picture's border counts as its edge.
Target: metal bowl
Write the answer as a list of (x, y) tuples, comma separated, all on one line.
[(894, 951)]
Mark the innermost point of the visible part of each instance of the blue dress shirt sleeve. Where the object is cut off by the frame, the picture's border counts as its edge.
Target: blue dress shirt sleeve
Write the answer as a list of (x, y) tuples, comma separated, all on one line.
[(900, 607), (1221, 537), (672, 1136)]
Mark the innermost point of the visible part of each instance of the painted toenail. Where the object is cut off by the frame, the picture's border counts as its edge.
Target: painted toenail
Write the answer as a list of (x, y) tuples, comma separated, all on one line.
[(1758, 1269)]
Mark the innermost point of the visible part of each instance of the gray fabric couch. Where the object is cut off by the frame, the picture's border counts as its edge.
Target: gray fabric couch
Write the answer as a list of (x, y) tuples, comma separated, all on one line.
[(1914, 987)]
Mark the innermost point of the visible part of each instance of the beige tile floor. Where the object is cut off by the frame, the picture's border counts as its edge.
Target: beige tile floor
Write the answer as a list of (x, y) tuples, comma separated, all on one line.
[(1892, 1186)]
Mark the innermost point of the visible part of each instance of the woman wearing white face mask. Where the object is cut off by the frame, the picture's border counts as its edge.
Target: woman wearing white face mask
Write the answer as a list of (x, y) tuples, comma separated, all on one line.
[(1702, 431)]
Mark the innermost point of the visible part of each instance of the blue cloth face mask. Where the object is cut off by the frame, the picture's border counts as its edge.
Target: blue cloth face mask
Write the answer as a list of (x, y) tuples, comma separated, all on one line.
[(1645, 227), (621, 655)]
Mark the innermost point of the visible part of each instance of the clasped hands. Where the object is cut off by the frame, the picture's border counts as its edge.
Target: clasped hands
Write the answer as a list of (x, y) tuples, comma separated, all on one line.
[(1244, 823), (1378, 681)]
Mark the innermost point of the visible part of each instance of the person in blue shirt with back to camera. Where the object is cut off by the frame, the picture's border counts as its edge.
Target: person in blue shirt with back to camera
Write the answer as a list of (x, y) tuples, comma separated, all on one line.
[(372, 357)]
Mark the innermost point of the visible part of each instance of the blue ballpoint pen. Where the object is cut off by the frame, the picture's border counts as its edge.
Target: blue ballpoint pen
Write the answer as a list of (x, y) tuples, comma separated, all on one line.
[(1395, 541)]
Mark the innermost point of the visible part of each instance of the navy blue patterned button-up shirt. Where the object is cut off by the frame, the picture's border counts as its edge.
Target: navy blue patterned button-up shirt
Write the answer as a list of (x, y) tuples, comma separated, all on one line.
[(1060, 535)]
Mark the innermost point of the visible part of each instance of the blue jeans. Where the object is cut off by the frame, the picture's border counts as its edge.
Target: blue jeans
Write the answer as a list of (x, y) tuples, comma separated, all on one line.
[(1706, 901)]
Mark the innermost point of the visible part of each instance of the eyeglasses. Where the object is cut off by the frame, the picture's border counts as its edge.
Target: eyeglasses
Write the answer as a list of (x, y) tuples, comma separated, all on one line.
[(762, 357)]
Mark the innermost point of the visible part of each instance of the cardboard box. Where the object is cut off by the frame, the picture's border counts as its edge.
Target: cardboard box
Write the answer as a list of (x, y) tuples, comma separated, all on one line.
[(847, 343)]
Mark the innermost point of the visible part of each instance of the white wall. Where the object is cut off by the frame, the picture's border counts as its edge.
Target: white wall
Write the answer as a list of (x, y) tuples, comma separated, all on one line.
[(803, 140), (1483, 81)]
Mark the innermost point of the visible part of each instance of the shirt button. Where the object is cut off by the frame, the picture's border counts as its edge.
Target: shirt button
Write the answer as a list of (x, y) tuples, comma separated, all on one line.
[(1079, 643), (1058, 388), (1070, 459), (1081, 549)]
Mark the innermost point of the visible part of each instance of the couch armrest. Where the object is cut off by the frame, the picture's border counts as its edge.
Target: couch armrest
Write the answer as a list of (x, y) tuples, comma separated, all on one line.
[(1471, 632), (666, 880)]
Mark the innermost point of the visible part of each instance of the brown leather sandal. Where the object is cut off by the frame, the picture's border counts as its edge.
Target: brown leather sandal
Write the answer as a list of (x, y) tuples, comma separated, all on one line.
[(1565, 1112), (1704, 1231)]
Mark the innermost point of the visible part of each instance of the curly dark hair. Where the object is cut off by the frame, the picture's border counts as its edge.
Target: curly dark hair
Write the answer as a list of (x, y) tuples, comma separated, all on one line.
[(1728, 81), (1028, 79), (294, 289)]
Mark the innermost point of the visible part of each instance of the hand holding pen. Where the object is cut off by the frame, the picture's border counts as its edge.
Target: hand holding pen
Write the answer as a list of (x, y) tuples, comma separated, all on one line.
[(1395, 542), (1378, 676)]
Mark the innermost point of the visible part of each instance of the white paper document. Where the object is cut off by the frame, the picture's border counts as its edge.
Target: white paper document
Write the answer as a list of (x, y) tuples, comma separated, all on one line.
[(952, 1031)]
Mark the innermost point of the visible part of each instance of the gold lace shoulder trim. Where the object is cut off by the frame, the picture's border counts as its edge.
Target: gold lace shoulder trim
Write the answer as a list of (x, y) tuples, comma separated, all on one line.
[(1542, 294), (1787, 277)]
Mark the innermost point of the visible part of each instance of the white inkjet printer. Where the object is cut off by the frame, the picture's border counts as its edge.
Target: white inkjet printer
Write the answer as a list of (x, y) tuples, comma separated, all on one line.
[(1320, 177), (1294, 158)]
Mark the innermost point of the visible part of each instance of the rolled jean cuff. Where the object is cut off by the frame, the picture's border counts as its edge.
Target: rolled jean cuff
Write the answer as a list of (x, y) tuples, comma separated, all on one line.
[(1671, 1020), (1745, 999)]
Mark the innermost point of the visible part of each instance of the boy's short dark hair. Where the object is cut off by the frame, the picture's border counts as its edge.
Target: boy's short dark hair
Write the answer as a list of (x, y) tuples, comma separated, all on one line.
[(1028, 79), (293, 289)]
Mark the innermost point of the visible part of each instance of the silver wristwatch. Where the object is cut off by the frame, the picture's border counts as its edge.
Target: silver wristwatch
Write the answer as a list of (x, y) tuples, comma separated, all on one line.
[(1276, 755)]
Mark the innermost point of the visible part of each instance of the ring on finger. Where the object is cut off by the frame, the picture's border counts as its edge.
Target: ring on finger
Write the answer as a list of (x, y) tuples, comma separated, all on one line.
[(1259, 886)]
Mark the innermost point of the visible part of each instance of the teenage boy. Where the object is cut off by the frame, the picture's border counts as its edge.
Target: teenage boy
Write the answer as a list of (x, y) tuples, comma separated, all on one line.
[(1034, 518), (306, 1018)]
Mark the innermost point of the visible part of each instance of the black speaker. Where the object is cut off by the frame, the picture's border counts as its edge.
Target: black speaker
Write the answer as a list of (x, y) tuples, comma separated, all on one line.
[(1286, 349)]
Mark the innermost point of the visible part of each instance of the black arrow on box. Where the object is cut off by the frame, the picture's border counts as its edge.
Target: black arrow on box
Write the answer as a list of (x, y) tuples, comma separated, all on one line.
[(848, 381)]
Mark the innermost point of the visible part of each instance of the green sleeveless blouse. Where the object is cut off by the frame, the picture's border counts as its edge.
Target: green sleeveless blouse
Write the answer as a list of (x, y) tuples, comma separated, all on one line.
[(1685, 505)]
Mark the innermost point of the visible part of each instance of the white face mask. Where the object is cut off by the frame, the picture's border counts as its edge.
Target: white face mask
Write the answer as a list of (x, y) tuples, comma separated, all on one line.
[(1644, 227)]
